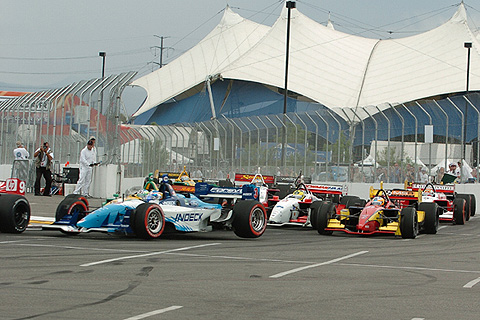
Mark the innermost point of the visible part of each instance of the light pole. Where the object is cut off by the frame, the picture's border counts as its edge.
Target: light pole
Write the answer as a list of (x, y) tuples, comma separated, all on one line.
[(290, 5), (103, 55), (467, 45)]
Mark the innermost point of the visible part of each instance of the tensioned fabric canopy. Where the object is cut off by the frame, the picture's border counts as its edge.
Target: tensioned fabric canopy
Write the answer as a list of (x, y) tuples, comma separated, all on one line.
[(333, 68)]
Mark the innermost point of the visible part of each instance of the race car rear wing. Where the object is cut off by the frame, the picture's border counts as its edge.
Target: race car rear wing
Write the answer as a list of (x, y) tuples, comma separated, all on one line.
[(444, 188), (326, 189), (289, 180), (245, 192), (13, 186), (399, 194), (245, 178)]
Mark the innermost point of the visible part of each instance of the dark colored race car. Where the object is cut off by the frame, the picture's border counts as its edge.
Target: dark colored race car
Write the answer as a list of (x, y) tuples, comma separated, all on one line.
[(397, 212), (14, 207)]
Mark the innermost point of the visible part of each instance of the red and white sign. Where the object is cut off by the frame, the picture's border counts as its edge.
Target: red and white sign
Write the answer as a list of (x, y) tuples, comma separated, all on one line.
[(13, 185)]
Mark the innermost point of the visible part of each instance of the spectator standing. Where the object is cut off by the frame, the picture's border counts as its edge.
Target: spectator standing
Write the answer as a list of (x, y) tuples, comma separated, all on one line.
[(423, 176), (88, 157), (20, 153), (43, 163), (466, 175)]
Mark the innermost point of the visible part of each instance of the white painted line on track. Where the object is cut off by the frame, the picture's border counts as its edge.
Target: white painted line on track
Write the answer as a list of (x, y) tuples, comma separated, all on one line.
[(76, 248), (418, 318), (146, 254), (238, 258), (153, 313), (442, 227), (281, 274), (408, 268), (472, 283)]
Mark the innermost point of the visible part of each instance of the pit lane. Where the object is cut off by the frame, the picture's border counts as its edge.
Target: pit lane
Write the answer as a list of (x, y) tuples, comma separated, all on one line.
[(288, 273)]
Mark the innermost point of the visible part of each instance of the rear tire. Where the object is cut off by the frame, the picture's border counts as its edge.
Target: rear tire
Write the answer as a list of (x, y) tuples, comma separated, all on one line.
[(409, 223), (249, 219), (468, 204), (14, 213), (325, 212), (149, 221), (473, 208), (313, 213), (459, 211), (431, 221)]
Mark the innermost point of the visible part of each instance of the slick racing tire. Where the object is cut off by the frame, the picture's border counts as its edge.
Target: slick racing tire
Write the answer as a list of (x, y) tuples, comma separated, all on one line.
[(325, 212), (314, 207), (77, 197), (459, 212), (468, 204), (148, 221), (249, 219), (473, 208), (65, 207), (409, 223), (14, 213), (71, 207), (430, 224)]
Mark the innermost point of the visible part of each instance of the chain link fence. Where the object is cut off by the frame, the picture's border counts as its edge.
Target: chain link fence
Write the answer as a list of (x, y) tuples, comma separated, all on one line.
[(390, 143)]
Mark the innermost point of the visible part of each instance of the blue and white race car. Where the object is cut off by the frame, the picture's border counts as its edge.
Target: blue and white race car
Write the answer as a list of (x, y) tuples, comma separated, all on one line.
[(145, 214)]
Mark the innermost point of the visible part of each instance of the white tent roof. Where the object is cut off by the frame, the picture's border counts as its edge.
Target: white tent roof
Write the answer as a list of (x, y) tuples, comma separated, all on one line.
[(231, 38), (328, 66)]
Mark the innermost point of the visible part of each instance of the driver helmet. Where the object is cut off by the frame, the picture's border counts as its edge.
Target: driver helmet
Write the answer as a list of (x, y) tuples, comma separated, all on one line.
[(378, 201), (165, 178), (142, 194), (299, 194), (153, 195), (184, 178)]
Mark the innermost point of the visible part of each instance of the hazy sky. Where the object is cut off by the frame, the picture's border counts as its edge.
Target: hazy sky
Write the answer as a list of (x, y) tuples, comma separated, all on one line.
[(52, 43)]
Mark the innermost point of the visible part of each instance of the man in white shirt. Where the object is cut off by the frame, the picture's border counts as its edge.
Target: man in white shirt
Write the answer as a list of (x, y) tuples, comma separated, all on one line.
[(88, 157), (20, 153)]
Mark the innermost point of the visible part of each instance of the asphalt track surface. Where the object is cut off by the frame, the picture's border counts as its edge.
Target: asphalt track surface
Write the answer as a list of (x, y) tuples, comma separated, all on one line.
[(288, 273)]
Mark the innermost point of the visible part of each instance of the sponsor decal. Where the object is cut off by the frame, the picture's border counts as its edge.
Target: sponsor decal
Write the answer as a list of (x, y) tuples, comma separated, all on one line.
[(188, 217), (13, 185), (401, 193), (226, 190)]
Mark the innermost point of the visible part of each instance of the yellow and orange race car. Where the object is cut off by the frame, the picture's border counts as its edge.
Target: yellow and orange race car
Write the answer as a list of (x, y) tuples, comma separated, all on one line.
[(398, 212)]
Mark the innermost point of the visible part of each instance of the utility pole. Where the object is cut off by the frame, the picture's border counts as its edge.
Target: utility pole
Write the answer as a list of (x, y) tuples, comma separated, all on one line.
[(161, 48)]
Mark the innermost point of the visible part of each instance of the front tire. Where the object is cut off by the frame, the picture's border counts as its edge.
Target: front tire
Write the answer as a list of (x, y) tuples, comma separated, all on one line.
[(14, 213), (149, 221), (314, 208), (325, 212), (249, 219), (409, 223), (431, 221)]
